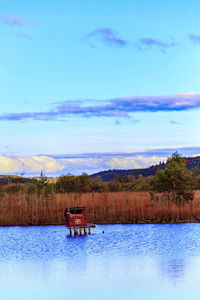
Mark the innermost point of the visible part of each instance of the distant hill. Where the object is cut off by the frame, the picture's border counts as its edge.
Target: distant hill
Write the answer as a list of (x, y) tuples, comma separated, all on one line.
[(6, 179), (192, 163)]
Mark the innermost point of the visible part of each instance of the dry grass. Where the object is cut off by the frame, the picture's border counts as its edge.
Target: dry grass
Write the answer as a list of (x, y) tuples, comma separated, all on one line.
[(107, 208)]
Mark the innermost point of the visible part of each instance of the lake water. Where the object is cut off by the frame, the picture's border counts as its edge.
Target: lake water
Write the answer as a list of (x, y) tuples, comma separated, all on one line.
[(144, 262)]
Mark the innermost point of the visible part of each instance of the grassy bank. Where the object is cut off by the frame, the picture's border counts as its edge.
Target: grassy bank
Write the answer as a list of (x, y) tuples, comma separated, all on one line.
[(102, 208)]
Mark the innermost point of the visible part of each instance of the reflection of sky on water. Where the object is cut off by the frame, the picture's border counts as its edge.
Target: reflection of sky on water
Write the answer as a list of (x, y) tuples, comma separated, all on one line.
[(128, 261)]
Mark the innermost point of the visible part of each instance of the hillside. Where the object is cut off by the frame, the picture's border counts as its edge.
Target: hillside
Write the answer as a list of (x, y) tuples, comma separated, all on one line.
[(6, 179), (192, 163)]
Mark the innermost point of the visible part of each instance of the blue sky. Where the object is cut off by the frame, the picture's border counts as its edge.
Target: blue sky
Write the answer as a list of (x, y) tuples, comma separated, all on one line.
[(97, 77)]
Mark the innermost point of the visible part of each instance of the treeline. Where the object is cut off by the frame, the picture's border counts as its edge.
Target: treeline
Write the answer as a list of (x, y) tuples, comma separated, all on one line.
[(78, 184), (109, 175), (174, 176), (86, 184), (192, 164)]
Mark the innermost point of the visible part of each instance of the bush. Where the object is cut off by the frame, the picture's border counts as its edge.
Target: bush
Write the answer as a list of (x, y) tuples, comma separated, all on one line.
[(13, 188), (175, 182)]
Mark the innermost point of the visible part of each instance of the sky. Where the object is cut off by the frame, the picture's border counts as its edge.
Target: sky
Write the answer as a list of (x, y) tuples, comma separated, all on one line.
[(92, 85)]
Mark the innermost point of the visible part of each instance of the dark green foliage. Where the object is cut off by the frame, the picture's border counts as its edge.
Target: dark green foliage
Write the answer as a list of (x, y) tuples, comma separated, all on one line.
[(127, 178), (109, 175), (13, 188), (114, 186), (67, 184), (142, 184), (175, 182), (6, 179), (79, 184), (40, 186)]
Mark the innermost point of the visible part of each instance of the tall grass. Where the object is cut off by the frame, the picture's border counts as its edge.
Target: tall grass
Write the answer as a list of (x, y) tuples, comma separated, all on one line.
[(102, 208)]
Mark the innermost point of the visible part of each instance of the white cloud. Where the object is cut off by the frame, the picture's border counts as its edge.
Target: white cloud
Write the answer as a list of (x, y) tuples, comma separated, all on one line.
[(34, 164), (10, 165), (54, 165), (133, 162)]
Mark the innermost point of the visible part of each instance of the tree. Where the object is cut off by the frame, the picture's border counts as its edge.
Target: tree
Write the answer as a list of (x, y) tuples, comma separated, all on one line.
[(175, 182), (68, 184)]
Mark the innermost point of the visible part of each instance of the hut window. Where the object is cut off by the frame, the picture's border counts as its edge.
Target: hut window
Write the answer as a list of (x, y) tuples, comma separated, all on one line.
[(75, 211)]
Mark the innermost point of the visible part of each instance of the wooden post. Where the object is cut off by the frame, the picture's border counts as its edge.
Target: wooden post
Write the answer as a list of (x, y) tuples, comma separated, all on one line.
[(80, 231), (70, 231), (85, 231), (89, 231), (75, 231)]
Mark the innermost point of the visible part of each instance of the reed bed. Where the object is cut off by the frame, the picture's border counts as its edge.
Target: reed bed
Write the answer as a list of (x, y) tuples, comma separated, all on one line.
[(102, 208)]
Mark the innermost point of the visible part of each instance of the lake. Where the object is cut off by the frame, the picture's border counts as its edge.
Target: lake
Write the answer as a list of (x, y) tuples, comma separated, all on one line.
[(144, 262)]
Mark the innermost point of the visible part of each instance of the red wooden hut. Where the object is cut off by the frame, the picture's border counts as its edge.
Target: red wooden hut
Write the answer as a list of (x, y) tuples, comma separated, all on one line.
[(75, 216)]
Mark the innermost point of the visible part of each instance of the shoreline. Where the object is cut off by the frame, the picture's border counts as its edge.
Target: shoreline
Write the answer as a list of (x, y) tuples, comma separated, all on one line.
[(139, 223)]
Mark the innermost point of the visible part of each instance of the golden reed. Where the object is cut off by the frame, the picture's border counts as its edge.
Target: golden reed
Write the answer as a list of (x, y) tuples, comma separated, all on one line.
[(102, 208)]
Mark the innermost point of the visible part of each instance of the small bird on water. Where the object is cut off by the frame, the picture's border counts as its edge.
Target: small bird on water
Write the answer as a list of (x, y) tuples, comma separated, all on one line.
[(103, 231)]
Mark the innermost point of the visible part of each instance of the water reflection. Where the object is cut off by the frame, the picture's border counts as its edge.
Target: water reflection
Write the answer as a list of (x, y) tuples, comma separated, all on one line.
[(128, 261), (173, 269)]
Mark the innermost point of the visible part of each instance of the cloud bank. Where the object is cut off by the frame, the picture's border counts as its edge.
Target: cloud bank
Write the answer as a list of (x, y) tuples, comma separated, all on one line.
[(32, 165), (123, 107), (55, 165)]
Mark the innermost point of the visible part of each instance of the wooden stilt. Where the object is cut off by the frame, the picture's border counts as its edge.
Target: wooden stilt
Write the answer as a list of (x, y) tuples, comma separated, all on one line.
[(79, 230), (70, 231)]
